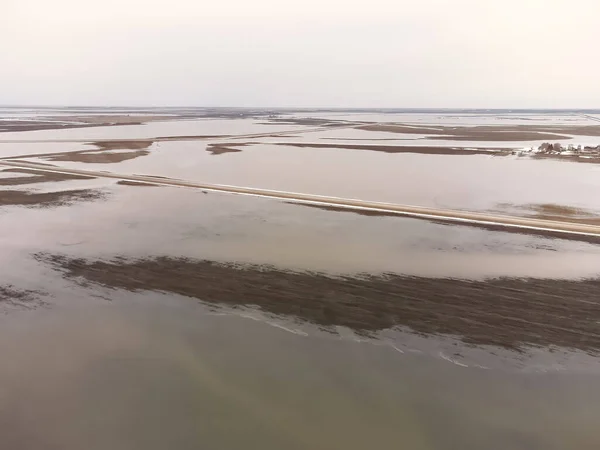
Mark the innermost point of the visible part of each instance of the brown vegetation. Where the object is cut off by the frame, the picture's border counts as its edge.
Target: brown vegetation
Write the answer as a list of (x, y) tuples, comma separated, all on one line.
[(98, 157), (48, 199), (130, 144), (501, 312), (403, 149)]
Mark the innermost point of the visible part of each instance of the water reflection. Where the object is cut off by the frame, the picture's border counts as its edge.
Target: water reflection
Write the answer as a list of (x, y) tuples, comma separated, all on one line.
[(157, 376)]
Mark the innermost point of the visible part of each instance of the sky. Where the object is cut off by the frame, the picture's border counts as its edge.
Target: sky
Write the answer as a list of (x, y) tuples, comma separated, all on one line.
[(309, 53)]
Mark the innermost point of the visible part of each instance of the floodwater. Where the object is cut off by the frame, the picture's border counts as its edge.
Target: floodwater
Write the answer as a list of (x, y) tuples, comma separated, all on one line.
[(164, 373), (473, 182), (93, 362), (151, 130)]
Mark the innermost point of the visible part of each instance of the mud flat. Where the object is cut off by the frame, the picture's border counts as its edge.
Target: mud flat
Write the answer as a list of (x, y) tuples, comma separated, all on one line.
[(135, 183), (98, 157), (309, 121), (507, 312), (48, 199), (219, 149), (38, 177), (404, 149), (105, 152), (130, 144)]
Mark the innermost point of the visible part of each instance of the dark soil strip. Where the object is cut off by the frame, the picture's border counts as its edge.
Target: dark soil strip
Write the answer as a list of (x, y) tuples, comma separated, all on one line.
[(500, 136), (38, 177), (360, 212), (403, 149), (123, 145), (135, 183), (36, 126), (98, 157), (219, 149), (308, 121), (48, 199), (505, 312)]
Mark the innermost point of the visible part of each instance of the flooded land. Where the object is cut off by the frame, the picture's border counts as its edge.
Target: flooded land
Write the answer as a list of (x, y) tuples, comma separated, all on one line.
[(188, 317)]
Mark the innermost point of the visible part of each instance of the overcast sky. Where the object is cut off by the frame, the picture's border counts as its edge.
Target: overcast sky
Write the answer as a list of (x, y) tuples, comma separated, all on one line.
[(352, 53)]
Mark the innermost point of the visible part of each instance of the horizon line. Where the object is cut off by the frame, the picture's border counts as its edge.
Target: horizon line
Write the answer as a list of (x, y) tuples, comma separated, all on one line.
[(343, 108)]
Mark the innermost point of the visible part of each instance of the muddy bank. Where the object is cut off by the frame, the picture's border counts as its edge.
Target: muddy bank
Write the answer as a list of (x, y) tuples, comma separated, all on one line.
[(489, 133), (104, 153), (48, 199), (219, 149), (382, 148), (98, 157), (37, 177), (404, 149), (308, 121), (506, 312), (141, 144), (135, 183), (360, 212), (197, 137)]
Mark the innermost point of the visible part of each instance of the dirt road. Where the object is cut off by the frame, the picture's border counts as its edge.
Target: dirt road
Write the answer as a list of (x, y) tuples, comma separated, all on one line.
[(466, 217)]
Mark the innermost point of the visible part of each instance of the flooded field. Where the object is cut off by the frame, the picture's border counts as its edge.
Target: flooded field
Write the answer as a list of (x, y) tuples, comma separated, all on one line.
[(144, 316)]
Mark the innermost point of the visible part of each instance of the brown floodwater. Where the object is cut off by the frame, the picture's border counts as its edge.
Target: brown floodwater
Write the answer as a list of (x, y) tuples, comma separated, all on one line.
[(167, 373), (174, 318), (125, 355)]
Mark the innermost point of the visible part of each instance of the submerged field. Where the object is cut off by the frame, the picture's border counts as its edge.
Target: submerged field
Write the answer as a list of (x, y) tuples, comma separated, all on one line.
[(176, 317)]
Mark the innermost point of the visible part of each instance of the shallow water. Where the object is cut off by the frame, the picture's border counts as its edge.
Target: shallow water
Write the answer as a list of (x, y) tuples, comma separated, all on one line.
[(473, 182), (152, 129), (95, 367), (448, 118), (144, 221), (159, 375)]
